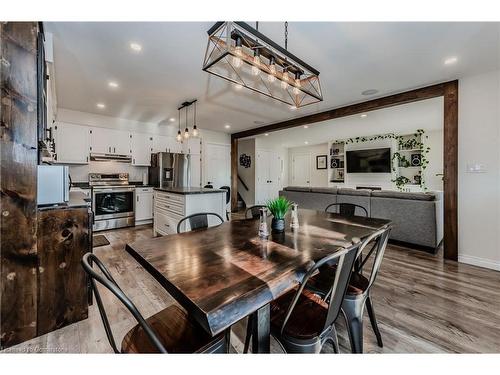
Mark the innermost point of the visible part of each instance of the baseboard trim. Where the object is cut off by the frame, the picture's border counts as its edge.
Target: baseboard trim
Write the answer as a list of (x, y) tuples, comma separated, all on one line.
[(480, 262)]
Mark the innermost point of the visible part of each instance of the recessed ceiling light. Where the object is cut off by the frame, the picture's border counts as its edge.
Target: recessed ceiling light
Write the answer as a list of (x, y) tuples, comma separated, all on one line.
[(306, 126), (266, 134), (238, 87), (293, 108), (101, 105), (450, 60), (135, 47), (227, 126), (369, 92), (306, 143), (171, 119), (113, 84), (363, 115)]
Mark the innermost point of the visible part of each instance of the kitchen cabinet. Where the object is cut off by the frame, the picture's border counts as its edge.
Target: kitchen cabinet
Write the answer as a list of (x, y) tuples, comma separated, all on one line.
[(72, 143), (267, 170), (164, 143), (192, 146), (109, 141), (143, 205), (141, 146)]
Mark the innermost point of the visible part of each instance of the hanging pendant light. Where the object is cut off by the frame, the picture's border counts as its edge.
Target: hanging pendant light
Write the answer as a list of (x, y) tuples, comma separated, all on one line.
[(186, 131), (179, 135), (195, 130)]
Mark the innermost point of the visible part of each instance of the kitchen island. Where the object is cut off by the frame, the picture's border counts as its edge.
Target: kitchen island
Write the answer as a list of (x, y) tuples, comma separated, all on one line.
[(172, 204)]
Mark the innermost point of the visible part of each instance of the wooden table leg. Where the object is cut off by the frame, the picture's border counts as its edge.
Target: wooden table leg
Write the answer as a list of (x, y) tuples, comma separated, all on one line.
[(261, 339)]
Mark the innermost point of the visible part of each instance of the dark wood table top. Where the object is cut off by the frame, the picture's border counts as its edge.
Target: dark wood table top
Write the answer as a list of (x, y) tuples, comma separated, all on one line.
[(222, 274)]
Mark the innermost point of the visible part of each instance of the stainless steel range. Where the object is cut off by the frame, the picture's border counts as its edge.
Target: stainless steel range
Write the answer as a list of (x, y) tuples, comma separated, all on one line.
[(113, 201)]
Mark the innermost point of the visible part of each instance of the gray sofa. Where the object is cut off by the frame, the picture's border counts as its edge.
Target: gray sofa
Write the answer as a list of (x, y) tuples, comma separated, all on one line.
[(417, 217)]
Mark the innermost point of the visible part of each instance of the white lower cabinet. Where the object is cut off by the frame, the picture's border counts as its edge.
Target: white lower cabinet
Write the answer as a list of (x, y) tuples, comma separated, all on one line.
[(170, 208), (143, 205)]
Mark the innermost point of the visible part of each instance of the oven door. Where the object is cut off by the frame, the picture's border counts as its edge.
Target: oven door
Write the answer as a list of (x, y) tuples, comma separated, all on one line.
[(112, 203)]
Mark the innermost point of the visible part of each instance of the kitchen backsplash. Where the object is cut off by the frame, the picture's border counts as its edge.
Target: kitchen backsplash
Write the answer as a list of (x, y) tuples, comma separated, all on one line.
[(79, 173)]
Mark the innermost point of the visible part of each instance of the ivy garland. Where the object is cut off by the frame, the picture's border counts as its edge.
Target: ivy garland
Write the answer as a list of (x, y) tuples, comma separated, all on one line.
[(399, 160)]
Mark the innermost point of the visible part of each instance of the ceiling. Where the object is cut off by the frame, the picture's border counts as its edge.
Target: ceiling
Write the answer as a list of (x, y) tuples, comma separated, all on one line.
[(352, 57)]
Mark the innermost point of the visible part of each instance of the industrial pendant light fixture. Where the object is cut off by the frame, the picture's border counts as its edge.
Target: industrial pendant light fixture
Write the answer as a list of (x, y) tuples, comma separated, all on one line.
[(180, 137), (242, 55)]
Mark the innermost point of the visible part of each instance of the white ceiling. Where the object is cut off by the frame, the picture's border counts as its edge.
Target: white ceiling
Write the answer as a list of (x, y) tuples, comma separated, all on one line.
[(351, 57)]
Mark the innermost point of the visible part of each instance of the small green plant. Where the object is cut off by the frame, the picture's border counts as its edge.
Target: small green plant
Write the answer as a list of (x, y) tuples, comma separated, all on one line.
[(279, 207), (401, 181)]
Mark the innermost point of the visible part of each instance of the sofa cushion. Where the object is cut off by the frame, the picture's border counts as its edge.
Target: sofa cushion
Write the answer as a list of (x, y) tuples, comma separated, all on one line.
[(324, 190), (297, 188), (309, 200), (404, 195), (358, 192)]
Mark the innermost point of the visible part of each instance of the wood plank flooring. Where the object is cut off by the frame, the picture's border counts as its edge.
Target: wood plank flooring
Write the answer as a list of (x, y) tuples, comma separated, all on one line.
[(423, 305)]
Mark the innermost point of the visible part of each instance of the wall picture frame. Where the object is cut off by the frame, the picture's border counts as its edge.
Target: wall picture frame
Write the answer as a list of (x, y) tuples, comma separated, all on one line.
[(321, 162)]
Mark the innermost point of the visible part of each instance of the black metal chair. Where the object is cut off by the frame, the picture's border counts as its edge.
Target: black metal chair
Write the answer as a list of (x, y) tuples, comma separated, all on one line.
[(301, 321), (254, 211), (228, 198), (358, 291), (347, 209), (169, 330), (208, 186), (198, 221)]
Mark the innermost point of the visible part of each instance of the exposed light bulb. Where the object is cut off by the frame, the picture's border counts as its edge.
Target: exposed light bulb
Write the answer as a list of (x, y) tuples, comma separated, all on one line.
[(284, 85), (296, 89), (272, 65), (195, 131), (256, 61), (284, 79), (186, 133), (238, 51), (237, 61), (271, 78), (179, 136), (255, 70)]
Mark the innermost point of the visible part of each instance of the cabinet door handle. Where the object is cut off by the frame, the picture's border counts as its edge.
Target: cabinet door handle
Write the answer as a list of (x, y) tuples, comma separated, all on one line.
[(114, 149), (137, 199), (167, 225), (109, 149)]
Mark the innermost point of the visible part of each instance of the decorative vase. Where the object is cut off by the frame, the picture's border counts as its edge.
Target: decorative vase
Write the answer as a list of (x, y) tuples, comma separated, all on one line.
[(278, 225)]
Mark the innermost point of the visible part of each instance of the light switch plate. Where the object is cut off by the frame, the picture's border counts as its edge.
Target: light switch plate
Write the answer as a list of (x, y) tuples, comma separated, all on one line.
[(476, 168)]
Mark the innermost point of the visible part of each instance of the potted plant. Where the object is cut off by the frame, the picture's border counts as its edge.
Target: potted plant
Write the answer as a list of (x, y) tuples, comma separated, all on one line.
[(278, 208)]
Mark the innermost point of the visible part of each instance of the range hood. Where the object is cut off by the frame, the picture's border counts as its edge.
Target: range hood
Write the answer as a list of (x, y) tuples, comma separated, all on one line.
[(111, 157)]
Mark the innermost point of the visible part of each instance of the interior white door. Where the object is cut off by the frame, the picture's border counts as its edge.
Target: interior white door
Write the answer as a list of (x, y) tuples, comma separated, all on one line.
[(217, 165), (141, 145), (72, 143), (274, 168), (301, 169)]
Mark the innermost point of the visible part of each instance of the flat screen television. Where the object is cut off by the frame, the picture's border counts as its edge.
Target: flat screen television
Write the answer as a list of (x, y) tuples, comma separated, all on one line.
[(376, 160)]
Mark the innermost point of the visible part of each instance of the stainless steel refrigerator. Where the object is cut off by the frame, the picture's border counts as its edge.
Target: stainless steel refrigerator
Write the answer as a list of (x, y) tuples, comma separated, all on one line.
[(170, 170)]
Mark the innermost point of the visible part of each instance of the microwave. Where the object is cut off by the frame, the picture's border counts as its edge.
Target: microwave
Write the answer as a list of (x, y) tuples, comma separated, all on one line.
[(53, 184)]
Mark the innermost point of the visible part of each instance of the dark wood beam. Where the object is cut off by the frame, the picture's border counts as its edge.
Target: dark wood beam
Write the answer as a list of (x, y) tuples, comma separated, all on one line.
[(450, 167), (406, 97), (234, 175)]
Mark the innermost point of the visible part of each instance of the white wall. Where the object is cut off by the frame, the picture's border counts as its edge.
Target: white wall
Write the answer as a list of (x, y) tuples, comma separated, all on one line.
[(479, 193), (435, 141), (247, 147)]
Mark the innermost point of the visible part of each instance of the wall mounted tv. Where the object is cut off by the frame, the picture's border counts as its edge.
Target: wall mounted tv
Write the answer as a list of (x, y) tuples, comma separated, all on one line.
[(375, 160)]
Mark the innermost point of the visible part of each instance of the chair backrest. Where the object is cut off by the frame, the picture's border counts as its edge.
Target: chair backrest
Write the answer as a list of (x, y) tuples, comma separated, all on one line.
[(379, 243), (198, 221), (208, 186), (347, 209), (345, 261), (228, 193), (105, 279), (254, 211)]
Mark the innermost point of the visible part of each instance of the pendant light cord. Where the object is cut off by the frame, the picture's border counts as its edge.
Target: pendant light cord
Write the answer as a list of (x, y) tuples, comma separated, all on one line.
[(286, 35)]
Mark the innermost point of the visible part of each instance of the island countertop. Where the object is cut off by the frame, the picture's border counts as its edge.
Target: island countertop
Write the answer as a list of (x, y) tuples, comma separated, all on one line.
[(189, 190)]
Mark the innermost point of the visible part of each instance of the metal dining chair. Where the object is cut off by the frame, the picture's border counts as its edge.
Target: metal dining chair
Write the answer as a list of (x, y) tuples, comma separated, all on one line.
[(347, 209), (168, 331), (253, 212), (198, 221), (301, 321), (228, 198), (358, 291)]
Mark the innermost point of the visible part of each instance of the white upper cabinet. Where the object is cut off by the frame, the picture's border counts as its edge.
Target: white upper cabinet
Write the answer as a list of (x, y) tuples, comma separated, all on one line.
[(160, 143), (141, 147), (192, 146), (109, 141), (72, 143)]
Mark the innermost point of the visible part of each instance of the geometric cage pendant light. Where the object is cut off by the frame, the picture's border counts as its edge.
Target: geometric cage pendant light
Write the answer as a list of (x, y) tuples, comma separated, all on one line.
[(242, 55)]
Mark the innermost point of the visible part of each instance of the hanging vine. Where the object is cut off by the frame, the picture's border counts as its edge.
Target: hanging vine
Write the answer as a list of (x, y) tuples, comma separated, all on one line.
[(399, 160)]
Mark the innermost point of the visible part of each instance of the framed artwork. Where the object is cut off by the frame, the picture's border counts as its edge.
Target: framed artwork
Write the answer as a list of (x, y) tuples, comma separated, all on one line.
[(321, 162)]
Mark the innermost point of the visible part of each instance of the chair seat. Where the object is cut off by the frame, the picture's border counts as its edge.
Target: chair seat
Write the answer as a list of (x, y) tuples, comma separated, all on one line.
[(307, 319), (358, 284), (175, 330)]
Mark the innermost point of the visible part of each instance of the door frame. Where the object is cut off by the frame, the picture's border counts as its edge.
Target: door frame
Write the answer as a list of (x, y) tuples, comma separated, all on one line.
[(447, 90)]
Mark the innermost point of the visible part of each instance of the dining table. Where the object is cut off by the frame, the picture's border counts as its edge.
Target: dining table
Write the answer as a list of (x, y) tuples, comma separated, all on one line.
[(224, 273)]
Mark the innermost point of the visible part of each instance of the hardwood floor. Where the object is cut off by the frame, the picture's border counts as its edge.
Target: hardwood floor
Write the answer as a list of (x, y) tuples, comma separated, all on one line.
[(423, 305)]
